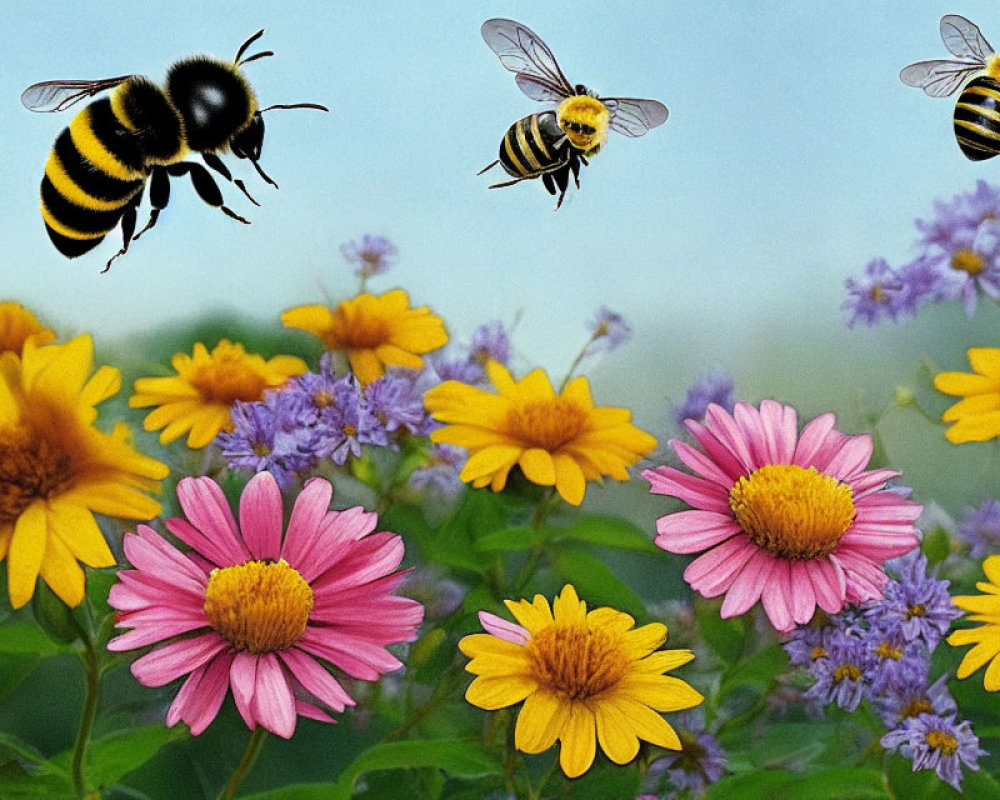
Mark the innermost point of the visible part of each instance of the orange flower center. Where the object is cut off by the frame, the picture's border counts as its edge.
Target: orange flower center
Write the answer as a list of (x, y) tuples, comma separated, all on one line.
[(877, 294), (914, 707), (259, 606), (31, 467), (885, 651), (942, 741), (817, 653), (228, 378), (576, 661), (916, 610), (793, 512), (359, 332), (968, 261), (846, 672), (547, 425)]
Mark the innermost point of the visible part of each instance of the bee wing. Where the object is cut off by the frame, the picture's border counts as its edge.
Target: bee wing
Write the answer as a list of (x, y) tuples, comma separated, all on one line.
[(938, 78), (50, 96), (964, 39), (632, 116), (536, 70)]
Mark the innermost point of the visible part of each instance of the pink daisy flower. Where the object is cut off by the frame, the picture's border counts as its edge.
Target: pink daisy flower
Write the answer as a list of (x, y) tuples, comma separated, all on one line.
[(791, 519), (249, 611)]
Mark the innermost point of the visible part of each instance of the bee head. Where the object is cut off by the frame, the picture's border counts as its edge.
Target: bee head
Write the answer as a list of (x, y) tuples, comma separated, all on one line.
[(214, 101), (584, 120)]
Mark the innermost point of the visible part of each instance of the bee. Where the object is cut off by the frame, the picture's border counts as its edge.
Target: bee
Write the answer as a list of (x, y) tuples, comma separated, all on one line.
[(977, 112), (553, 144), (98, 168)]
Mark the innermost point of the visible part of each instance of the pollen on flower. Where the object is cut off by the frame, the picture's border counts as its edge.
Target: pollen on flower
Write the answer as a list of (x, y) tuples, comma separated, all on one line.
[(793, 512), (942, 741), (576, 661), (846, 672), (548, 425), (916, 707), (258, 606), (968, 261), (31, 467)]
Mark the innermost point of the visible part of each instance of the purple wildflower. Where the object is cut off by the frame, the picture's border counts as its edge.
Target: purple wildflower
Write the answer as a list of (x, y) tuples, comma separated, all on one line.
[(715, 386), (374, 255), (893, 660), (980, 529), (440, 472), (843, 676), (878, 294), (347, 423), (936, 742), (608, 331), (910, 695), (490, 342), (918, 605), (265, 437), (396, 404)]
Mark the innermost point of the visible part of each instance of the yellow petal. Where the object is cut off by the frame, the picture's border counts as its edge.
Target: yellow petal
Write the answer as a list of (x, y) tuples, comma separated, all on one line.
[(537, 466), (492, 692), (62, 574), (615, 734), (579, 741), (540, 722), (27, 548)]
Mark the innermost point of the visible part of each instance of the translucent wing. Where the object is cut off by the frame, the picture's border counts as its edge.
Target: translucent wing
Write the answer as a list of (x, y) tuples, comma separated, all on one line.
[(536, 70), (633, 117), (938, 78), (964, 39), (59, 95)]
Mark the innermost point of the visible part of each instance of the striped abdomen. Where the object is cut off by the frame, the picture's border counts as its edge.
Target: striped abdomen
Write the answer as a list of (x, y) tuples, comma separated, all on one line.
[(99, 164), (977, 118), (534, 146)]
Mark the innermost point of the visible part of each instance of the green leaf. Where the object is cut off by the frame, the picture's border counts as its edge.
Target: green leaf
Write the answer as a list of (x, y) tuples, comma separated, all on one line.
[(29, 763), (611, 532), (512, 539), (114, 756), (757, 785), (595, 583), (905, 782), (14, 668), (758, 672), (26, 639), (725, 637), (300, 791), (459, 758), (936, 546), (56, 618), (837, 783)]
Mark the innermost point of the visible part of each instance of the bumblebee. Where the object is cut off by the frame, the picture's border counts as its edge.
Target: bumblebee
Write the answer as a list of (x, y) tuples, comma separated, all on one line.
[(553, 144), (977, 112), (97, 171)]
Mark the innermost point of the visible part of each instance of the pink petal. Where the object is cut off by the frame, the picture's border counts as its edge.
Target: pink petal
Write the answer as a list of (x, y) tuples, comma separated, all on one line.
[(169, 662), (313, 554), (696, 492), (775, 597), (851, 459), (730, 435), (354, 655), (261, 517), (705, 466), (309, 711), (315, 679), (801, 592), (215, 551), (273, 702), (863, 579), (503, 629), (745, 589), (828, 583), (152, 625), (712, 572), (372, 558), (715, 452), (206, 507), (380, 619), (694, 531), (151, 553), (813, 439), (872, 480), (200, 698)]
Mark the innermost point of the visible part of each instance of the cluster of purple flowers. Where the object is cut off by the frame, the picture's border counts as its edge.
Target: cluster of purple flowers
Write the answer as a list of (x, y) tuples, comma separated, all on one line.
[(958, 259), (319, 416), (980, 529), (881, 653), (689, 771), (490, 342)]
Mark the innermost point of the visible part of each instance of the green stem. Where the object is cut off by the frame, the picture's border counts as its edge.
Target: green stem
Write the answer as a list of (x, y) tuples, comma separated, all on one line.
[(90, 703), (253, 749), (577, 360), (536, 793)]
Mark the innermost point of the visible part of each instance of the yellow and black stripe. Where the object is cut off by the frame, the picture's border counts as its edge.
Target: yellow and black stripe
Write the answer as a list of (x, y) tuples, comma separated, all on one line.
[(531, 146), (100, 162), (977, 118)]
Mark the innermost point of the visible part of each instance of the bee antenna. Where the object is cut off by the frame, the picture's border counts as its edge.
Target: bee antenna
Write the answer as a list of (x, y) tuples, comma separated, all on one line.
[(246, 44), (316, 106), (254, 57)]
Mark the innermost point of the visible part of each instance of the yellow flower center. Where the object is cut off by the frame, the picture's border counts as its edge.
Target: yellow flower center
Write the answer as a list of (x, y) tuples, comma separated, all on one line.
[(968, 261), (261, 449), (916, 610), (877, 294), (227, 378), (547, 425), (886, 650), (793, 512), (360, 332), (914, 707), (942, 741), (323, 399), (817, 653), (258, 606), (576, 661), (31, 467), (846, 672)]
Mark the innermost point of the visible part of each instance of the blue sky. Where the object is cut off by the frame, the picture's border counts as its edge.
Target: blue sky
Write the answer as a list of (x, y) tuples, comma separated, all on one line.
[(792, 156)]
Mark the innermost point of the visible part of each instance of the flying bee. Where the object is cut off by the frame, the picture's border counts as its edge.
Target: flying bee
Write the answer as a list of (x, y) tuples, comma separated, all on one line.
[(98, 168), (977, 112), (553, 144)]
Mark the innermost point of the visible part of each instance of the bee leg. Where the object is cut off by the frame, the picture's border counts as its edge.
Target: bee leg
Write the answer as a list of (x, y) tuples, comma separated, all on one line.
[(128, 228), (205, 185), (507, 183), (159, 196), (561, 179), (575, 166), (488, 167), (216, 163)]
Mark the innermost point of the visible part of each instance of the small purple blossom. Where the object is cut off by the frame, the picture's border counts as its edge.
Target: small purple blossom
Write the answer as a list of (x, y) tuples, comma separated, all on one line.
[(374, 255), (490, 342), (937, 742), (397, 405), (893, 660), (980, 529), (917, 605), (440, 472), (347, 423), (608, 331), (715, 386), (910, 695), (699, 763), (878, 294), (843, 676)]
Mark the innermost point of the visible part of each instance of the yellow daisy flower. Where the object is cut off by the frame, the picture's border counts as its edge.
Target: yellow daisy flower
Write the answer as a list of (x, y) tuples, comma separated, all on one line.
[(57, 470), (585, 678), (984, 608), (557, 440), (17, 324), (197, 400), (977, 417), (376, 332)]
